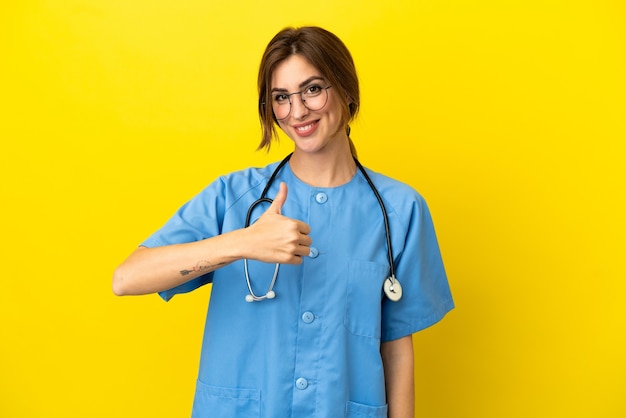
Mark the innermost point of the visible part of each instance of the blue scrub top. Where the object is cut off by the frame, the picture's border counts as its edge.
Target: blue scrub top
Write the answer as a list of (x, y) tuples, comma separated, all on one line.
[(314, 350)]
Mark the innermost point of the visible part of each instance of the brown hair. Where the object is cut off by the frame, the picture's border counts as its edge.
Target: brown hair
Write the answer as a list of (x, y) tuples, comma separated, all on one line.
[(328, 54)]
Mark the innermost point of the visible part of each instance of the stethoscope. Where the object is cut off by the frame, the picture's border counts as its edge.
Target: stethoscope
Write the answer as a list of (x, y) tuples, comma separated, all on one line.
[(391, 286)]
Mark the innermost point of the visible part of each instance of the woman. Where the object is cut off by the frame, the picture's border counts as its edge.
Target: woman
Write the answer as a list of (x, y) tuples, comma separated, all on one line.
[(331, 335)]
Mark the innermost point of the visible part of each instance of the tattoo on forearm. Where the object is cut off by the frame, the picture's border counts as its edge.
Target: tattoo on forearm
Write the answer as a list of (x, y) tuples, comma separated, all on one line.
[(202, 266)]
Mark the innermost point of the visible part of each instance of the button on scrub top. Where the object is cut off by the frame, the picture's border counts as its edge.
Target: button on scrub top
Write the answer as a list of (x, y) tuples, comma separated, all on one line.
[(314, 350)]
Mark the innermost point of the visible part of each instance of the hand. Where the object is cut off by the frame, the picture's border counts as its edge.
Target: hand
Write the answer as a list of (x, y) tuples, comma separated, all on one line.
[(275, 238)]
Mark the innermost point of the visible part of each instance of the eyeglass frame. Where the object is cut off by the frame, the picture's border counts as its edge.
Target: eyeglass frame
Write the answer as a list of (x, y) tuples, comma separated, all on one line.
[(301, 92)]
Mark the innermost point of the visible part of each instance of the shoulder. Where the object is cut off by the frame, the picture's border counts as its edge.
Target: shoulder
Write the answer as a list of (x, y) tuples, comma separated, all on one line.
[(405, 206), (235, 185), (248, 176), (394, 192)]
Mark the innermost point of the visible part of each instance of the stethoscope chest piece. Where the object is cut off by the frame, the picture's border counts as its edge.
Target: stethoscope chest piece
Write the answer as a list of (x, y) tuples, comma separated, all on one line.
[(392, 289)]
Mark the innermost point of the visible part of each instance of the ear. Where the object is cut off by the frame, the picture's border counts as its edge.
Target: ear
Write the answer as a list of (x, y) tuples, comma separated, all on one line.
[(353, 108)]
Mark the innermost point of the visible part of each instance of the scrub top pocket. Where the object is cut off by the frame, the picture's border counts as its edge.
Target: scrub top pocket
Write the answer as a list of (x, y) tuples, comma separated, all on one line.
[(364, 297), (357, 410), (214, 401)]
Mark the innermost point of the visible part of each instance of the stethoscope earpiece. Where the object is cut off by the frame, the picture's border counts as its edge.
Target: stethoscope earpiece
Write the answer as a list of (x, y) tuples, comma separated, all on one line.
[(252, 298)]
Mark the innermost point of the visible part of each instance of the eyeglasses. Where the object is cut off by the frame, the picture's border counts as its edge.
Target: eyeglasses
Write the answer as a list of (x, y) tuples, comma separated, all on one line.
[(313, 97)]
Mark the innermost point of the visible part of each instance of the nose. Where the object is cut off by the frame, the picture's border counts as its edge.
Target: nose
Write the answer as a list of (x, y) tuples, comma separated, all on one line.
[(298, 108)]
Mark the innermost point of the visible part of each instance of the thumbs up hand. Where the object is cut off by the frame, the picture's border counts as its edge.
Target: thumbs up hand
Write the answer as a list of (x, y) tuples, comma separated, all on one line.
[(275, 238)]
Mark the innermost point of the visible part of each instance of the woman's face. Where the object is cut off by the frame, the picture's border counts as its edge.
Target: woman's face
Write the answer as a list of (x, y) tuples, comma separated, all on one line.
[(311, 130)]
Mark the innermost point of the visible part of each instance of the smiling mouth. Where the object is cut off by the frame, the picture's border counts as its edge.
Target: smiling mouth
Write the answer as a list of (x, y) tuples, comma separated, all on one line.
[(303, 129)]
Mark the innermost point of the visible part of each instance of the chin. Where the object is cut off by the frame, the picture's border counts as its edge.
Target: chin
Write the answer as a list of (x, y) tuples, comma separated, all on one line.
[(308, 148)]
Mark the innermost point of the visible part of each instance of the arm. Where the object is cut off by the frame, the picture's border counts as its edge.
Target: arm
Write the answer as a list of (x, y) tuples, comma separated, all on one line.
[(149, 270), (397, 358), (273, 239)]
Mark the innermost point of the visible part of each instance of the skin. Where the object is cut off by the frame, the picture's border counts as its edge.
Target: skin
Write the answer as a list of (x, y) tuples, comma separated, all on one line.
[(321, 158), (397, 358)]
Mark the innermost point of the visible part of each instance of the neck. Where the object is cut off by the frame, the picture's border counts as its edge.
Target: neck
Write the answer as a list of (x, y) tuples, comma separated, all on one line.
[(329, 168)]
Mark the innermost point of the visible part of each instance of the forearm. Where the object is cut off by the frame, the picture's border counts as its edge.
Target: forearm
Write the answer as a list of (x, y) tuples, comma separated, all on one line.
[(149, 270), (397, 358)]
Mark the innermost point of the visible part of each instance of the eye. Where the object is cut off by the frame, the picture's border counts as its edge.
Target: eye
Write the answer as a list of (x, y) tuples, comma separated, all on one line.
[(313, 90), (280, 98)]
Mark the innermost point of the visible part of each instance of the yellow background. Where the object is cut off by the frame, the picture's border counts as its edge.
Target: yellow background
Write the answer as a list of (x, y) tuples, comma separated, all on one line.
[(509, 117)]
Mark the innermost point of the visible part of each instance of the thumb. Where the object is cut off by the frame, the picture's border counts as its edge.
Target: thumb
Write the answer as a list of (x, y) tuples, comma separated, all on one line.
[(279, 200)]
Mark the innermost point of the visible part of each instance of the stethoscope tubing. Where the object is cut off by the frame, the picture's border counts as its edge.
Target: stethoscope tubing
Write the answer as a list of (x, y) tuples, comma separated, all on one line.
[(264, 199), (392, 273), (251, 296)]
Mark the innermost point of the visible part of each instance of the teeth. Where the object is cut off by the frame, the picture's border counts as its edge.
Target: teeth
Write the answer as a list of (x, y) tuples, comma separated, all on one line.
[(304, 128)]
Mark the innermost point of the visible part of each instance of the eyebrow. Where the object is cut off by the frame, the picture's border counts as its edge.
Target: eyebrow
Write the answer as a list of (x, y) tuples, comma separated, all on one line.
[(303, 84)]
